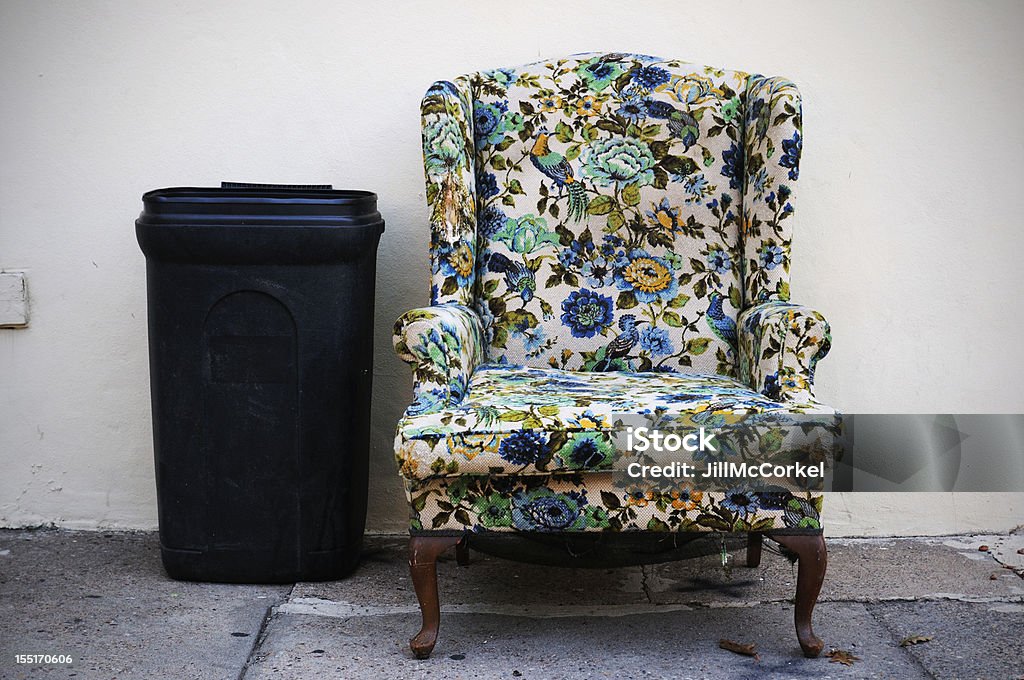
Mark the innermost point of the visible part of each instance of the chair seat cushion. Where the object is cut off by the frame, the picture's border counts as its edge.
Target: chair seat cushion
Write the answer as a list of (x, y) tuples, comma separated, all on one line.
[(520, 421)]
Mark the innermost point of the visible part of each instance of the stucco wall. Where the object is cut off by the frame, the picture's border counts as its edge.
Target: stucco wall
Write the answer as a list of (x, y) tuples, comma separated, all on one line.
[(908, 237)]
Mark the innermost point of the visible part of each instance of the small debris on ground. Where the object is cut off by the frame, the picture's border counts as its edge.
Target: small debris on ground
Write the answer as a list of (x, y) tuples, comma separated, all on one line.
[(915, 640), (982, 548), (842, 656), (457, 657), (746, 649)]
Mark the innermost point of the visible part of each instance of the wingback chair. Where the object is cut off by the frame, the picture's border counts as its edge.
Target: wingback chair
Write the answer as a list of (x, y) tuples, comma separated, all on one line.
[(610, 233)]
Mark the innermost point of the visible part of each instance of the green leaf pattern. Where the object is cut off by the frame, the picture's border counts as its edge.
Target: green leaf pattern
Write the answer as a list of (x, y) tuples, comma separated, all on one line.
[(608, 232)]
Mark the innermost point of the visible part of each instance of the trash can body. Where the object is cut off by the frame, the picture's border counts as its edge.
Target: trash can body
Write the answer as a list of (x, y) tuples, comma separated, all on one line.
[(261, 354)]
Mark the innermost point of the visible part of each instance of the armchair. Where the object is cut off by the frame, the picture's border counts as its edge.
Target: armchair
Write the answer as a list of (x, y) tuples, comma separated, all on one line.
[(610, 233)]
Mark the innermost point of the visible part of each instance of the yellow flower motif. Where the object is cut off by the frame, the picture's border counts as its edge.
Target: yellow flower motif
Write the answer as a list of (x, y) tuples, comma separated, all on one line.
[(407, 462), (794, 380), (588, 106), (637, 500), (589, 421), (647, 275), (461, 260), (550, 103), (665, 218), (685, 498), (693, 88)]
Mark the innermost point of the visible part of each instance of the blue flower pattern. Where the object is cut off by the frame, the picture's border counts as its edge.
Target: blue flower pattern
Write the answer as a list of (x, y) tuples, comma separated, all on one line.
[(688, 175)]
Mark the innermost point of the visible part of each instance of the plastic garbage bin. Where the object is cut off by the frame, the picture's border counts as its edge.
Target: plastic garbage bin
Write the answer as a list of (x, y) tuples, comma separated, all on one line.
[(261, 351)]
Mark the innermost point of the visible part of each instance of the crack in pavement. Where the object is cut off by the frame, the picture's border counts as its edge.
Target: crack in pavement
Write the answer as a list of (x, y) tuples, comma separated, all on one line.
[(261, 635), (644, 587), (905, 651)]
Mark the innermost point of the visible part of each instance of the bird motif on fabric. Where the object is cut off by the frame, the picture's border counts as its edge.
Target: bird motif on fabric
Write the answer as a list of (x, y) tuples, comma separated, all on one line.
[(556, 168), (680, 123), (519, 278), (722, 325), (622, 344)]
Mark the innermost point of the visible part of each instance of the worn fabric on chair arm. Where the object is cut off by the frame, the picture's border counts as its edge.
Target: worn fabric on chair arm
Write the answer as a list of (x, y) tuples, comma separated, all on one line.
[(444, 344), (779, 344), (447, 117)]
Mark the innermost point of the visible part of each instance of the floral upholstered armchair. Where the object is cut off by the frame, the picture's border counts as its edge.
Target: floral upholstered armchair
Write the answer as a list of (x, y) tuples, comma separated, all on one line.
[(610, 233)]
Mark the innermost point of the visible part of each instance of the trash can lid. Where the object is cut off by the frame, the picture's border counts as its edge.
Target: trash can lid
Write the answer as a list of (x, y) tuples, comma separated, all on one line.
[(266, 204), (258, 224)]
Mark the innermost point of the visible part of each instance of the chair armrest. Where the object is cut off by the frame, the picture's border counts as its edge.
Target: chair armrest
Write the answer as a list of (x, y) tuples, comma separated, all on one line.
[(779, 345), (444, 344)]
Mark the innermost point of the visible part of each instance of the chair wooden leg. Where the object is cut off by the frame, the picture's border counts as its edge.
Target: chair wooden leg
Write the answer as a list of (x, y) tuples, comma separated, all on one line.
[(423, 553), (753, 549), (812, 559)]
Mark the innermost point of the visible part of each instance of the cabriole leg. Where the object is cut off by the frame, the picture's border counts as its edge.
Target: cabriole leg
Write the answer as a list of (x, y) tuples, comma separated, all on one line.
[(812, 559), (423, 553)]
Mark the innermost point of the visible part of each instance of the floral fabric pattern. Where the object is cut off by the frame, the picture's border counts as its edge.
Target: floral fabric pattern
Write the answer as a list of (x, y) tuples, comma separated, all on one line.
[(780, 344), (444, 344), (447, 112), (592, 502), (610, 234), (609, 191), (772, 142), (518, 420)]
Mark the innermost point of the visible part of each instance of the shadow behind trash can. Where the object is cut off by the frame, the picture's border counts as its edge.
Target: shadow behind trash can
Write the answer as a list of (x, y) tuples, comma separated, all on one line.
[(261, 356)]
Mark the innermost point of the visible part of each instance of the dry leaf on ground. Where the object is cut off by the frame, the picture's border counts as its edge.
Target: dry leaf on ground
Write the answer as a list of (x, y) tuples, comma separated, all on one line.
[(915, 640), (749, 649), (842, 656)]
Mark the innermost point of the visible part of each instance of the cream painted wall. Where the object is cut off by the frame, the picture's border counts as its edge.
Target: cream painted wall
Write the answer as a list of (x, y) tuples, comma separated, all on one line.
[(908, 234)]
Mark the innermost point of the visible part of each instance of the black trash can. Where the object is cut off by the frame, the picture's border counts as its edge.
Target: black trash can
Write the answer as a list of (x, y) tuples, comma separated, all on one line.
[(261, 354)]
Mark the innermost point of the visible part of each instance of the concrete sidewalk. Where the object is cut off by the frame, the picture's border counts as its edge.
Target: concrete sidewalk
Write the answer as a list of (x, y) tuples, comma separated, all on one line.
[(103, 599)]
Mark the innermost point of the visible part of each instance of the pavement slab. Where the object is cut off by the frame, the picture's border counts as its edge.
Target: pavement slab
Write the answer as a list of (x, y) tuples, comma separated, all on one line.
[(968, 640), (104, 599), (651, 644)]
